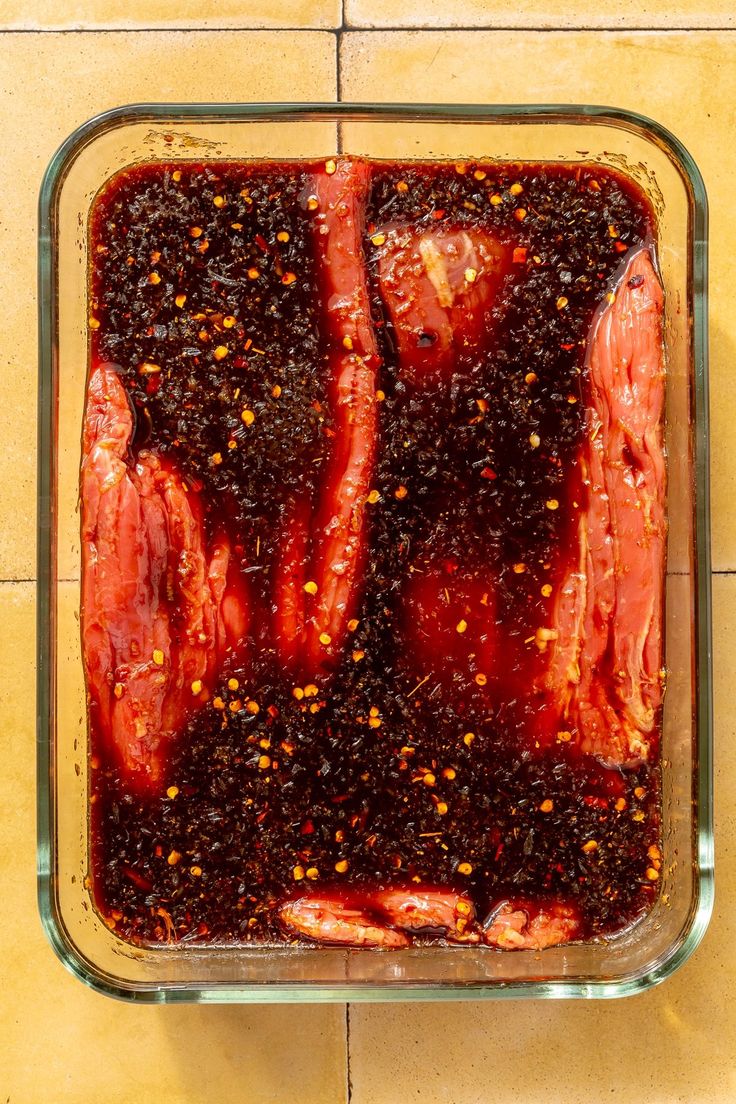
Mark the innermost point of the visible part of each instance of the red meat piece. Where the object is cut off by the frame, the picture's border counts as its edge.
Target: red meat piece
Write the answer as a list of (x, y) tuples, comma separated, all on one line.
[(329, 920), (449, 619), (371, 919), (606, 652), (439, 287), (158, 612), (314, 626), (428, 910), (289, 596), (522, 926)]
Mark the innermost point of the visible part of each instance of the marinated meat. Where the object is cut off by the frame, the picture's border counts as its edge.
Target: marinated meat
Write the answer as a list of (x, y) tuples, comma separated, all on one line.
[(449, 619), (519, 926), (429, 910), (439, 288), (290, 579), (321, 613), (373, 534), (605, 666), (371, 918), (329, 921), (158, 612)]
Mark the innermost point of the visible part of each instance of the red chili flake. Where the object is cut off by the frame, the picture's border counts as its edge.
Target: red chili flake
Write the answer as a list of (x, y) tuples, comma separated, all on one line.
[(594, 802), (439, 213), (568, 347), (307, 828), (620, 246), (152, 384), (488, 473), (261, 242), (519, 255), (136, 878)]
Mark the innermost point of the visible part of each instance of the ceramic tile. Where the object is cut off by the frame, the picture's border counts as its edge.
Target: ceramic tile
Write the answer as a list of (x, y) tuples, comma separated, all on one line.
[(669, 77), (659, 1047), (50, 15), (84, 74), (72, 1046), (539, 14)]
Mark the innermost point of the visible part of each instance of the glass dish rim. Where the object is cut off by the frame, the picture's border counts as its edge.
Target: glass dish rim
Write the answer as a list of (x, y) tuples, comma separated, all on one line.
[(53, 178)]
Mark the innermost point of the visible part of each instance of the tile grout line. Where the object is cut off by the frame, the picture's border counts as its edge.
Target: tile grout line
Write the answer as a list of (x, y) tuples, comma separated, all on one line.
[(338, 65), (9, 582), (348, 1072), (352, 29), (355, 29), (338, 51), (338, 71), (163, 27)]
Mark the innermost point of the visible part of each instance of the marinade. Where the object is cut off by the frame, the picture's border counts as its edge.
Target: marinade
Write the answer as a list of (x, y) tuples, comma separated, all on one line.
[(373, 530)]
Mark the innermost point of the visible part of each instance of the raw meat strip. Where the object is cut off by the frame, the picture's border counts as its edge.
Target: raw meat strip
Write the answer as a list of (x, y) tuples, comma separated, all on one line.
[(331, 921), (450, 621), (439, 287), (374, 918), (158, 615), (289, 581), (339, 522), (517, 926), (423, 910), (605, 672)]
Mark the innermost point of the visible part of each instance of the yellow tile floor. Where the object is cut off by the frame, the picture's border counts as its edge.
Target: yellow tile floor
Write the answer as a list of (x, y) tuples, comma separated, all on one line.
[(149, 14), (58, 1041), (542, 14)]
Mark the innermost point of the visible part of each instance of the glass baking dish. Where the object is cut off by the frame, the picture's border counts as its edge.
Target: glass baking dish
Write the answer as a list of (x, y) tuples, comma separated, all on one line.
[(633, 960)]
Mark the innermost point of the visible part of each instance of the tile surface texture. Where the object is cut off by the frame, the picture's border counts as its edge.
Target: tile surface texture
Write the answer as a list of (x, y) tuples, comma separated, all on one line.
[(51, 84), (61, 14), (539, 13)]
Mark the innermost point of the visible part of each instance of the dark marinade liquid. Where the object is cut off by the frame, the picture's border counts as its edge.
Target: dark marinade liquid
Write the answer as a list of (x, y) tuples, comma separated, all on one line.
[(309, 783)]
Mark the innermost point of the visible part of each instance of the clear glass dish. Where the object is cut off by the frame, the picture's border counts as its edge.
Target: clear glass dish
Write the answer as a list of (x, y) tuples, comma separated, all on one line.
[(633, 960)]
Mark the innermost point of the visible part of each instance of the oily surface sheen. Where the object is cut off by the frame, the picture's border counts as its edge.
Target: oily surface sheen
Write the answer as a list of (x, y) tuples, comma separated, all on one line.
[(374, 383)]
